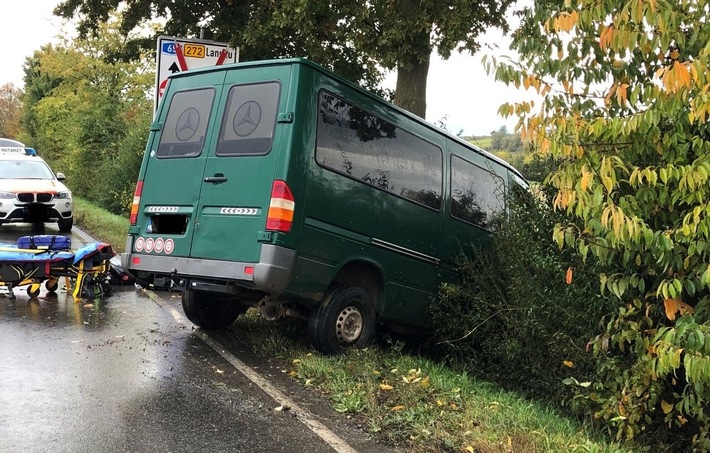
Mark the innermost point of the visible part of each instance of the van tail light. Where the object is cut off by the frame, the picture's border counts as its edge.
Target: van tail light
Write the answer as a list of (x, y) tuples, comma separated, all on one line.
[(136, 201), (281, 207)]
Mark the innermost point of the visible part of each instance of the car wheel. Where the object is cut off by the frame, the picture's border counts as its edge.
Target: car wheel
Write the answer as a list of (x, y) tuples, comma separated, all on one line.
[(345, 319), (210, 310), (65, 225)]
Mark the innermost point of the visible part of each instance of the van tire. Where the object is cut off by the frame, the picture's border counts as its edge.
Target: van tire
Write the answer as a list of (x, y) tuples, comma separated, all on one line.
[(209, 310), (344, 320)]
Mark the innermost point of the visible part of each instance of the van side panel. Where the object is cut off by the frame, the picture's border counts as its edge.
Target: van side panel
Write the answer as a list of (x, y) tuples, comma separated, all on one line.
[(355, 212)]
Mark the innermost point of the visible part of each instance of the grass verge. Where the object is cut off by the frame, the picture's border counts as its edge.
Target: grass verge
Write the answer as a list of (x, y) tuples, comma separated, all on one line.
[(101, 224), (418, 404), (410, 402)]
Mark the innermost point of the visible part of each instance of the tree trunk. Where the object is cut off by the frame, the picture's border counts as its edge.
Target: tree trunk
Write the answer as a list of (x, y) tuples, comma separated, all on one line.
[(410, 92)]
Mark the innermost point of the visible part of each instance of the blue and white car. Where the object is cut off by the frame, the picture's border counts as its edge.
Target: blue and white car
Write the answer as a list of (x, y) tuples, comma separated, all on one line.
[(30, 192)]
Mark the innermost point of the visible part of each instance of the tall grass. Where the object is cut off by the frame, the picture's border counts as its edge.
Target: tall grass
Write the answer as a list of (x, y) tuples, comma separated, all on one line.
[(101, 224)]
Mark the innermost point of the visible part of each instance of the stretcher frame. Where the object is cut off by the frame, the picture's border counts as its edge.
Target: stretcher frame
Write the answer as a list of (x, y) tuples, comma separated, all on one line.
[(85, 270)]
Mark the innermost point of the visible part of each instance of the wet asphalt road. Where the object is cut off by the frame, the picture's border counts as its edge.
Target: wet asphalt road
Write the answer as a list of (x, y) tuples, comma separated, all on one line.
[(127, 373)]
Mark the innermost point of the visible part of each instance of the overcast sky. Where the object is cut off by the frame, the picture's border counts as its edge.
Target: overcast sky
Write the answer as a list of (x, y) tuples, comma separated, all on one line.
[(457, 88)]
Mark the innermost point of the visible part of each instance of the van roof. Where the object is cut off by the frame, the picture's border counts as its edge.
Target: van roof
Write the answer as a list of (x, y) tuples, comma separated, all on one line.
[(316, 66)]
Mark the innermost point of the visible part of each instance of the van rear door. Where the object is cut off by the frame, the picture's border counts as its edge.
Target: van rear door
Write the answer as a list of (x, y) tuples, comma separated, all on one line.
[(240, 165)]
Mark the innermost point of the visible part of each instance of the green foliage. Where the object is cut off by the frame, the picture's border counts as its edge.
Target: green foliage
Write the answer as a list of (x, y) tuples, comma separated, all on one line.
[(355, 39), (625, 109), (512, 318), (88, 116)]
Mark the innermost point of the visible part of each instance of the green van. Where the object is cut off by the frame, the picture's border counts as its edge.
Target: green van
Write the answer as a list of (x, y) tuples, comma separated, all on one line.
[(280, 185)]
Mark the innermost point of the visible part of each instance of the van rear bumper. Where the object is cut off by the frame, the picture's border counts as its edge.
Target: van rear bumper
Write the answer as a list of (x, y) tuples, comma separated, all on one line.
[(270, 274)]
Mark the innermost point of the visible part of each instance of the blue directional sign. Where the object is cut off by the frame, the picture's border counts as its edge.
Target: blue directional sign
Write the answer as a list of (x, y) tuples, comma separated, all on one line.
[(168, 47)]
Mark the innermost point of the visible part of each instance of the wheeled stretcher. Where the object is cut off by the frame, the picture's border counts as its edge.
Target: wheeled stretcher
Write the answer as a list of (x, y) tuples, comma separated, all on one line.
[(88, 269)]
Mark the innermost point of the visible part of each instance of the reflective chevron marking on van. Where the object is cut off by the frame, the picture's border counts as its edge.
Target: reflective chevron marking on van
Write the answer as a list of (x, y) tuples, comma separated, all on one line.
[(162, 209), (239, 211)]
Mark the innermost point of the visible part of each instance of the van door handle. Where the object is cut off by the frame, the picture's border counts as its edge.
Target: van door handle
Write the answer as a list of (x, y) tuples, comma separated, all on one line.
[(218, 178)]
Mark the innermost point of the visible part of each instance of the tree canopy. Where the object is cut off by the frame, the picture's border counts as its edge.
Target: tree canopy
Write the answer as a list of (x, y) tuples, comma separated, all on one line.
[(626, 103), (89, 117), (10, 111), (355, 39)]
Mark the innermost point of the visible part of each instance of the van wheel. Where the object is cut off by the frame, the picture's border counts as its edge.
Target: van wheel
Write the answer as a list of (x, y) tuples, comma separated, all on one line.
[(210, 310), (345, 319)]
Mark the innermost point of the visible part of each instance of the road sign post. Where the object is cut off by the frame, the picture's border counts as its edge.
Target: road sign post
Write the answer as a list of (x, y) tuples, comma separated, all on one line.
[(179, 55)]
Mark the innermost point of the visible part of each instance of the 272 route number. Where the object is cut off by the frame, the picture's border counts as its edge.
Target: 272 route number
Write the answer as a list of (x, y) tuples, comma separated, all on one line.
[(194, 50)]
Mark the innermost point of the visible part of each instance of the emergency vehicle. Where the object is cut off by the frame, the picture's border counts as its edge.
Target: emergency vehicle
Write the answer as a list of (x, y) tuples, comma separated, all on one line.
[(30, 192)]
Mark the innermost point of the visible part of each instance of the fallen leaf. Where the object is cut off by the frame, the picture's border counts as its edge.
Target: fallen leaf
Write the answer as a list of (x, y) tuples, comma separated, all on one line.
[(568, 363), (397, 408), (295, 361), (568, 277), (667, 407), (469, 449), (386, 387), (220, 371)]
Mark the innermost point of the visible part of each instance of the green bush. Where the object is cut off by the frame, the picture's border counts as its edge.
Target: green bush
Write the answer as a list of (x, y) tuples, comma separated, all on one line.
[(513, 318)]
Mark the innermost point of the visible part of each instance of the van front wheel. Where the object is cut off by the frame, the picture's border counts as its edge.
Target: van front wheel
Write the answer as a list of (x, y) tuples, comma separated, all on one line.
[(210, 310), (345, 319)]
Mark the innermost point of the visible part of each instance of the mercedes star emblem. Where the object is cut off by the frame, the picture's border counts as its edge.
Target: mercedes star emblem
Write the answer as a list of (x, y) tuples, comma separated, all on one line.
[(247, 118)]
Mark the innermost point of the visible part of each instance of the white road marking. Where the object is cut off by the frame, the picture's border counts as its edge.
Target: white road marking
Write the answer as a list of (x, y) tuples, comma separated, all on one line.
[(303, 415)]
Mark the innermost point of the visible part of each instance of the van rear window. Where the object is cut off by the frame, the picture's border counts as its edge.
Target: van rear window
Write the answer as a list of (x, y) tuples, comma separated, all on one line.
[(476, 194), (183, 134), (249, 119), (375, 152)]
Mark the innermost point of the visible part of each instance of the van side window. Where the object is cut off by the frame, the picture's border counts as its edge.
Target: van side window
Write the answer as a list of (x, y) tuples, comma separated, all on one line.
[(476, 194), (373, 151), (249, 119), (183, 133)]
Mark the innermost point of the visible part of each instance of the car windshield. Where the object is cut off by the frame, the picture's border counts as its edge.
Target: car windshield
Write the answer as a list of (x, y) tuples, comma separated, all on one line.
[(24, 169)]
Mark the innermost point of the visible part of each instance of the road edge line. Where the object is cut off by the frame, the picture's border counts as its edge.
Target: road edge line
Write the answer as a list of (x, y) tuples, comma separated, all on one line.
[(307, 418)]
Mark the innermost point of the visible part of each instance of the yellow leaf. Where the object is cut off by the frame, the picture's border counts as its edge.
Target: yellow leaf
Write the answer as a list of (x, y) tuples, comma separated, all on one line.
[(469, 449), (424, 383), (397, 408), (386, 387), (667, 407), (568, 363), (586, 176), (296, 361)]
